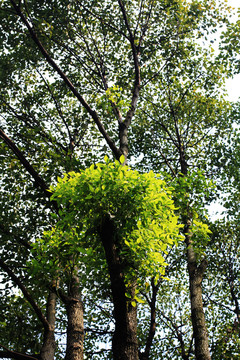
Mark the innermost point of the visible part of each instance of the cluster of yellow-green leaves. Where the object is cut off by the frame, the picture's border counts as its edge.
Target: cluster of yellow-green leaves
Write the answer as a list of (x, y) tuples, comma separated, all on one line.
[(140, 206)]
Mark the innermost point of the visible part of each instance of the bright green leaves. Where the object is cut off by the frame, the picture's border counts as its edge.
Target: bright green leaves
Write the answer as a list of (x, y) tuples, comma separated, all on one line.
[(134, 298), (140, 206), (122, 159)]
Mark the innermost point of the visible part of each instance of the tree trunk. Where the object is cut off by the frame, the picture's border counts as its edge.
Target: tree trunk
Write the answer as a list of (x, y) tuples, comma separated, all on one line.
[(75, 328), (124, 343), (49, 345), (196, 273)]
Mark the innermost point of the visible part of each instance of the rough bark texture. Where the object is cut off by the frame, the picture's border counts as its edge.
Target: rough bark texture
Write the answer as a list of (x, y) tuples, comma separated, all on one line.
[(49, 344), (124, 343), (198, 318), (75, 328)]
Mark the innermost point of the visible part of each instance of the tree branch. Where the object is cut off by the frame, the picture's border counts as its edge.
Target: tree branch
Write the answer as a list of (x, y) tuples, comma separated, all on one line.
[(202, 267), (19, 240), (26, 294), (117, 152), (40, 182), (178, 333), (123, 126), (9, 354), (30, 122), (136, 89)]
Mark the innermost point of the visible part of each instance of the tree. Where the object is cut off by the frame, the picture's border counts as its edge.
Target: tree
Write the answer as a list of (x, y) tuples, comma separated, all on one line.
[(77, 74), (121, 216)]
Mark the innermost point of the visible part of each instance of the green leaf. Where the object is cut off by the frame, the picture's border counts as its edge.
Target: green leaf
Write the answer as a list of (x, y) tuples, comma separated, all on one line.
[(122, 159)]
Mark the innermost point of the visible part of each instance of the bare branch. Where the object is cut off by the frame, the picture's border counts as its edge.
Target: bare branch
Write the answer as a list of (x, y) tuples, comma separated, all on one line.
[(136, 88), (26, 294)]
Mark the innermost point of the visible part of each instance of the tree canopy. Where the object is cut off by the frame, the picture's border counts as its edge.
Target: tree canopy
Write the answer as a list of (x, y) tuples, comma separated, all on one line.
[(116, 137)]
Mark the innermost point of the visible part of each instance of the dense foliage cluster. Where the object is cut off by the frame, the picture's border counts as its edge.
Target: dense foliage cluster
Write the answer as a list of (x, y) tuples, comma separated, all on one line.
[(145, 225)]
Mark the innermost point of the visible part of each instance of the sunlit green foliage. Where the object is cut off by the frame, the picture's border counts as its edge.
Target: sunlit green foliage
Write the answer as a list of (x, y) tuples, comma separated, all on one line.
[(140, 206)]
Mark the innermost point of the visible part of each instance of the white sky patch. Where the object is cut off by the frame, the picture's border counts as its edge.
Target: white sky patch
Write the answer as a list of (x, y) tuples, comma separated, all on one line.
[(233, 88), (234, 3), (215, 211)]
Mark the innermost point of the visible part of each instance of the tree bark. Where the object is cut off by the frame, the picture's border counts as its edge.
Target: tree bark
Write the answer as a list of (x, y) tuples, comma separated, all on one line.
[(124, 342), (49, 345), (196, 273), (75, 328)]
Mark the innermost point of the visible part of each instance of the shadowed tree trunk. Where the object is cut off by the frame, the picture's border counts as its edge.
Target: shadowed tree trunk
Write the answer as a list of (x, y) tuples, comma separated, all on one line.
[(196, 273), (49, 344), (124, 343), (75, 328)]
